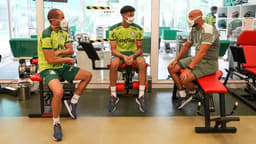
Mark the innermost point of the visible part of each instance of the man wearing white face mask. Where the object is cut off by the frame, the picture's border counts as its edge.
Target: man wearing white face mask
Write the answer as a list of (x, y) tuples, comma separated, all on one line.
[(206, 40), (126, 39), (54, 49)]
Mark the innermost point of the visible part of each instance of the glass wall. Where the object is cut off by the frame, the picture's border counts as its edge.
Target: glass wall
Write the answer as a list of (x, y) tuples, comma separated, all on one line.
[(4, 29), (98, 21), (173, 29), (94, 22)]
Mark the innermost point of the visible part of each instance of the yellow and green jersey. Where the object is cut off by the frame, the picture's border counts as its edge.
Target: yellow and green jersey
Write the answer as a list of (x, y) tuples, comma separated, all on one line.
[(210, 18), (51, 40), (126, 37)]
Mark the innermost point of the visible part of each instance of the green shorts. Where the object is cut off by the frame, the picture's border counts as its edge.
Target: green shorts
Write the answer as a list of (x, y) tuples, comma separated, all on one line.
[(125, 53), (66, 73), (204, 68)]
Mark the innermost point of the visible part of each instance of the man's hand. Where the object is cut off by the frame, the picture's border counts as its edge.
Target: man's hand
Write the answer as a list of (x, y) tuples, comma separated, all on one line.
[(57, 53), (70, 61), (130, 59), (184, 75)]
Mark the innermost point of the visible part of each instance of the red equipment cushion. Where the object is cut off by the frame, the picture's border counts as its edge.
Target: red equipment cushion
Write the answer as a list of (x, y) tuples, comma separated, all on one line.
[(250, 56), (251, 70), (211, 83), (36, 77), (35, 61), (247, 37)]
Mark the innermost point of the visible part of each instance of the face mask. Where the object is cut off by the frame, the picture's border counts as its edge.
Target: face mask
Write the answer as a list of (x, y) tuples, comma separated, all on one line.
[(130, 20), (64, 24), (191, 23)]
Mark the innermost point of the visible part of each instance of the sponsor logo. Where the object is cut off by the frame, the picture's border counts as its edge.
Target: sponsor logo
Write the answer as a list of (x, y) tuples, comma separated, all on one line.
[(126, 40)]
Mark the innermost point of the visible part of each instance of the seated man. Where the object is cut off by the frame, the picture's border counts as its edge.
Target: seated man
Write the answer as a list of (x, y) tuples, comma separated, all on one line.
[(205, 62), (126, 46), (54, 49)]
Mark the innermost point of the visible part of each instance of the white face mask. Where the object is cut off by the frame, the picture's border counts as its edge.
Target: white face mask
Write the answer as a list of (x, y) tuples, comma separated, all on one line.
[(191, 23), (130, 20), (64, 24)]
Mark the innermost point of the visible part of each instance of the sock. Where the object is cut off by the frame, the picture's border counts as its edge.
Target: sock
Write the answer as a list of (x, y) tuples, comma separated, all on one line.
[(182, 93), (141, 90), (56, 120), (75, 99), (113, 91), (192, 92)]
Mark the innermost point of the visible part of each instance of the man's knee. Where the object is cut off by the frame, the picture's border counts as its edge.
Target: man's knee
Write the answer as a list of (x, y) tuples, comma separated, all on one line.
[(88, 75), (141, 63), (58, 93), (115, 63), (174, 69), (170, 68)]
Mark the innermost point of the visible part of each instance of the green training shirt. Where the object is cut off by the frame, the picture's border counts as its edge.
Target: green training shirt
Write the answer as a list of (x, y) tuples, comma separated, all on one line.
[(210, 18), (51, 40), (126, 37), (207, 34)]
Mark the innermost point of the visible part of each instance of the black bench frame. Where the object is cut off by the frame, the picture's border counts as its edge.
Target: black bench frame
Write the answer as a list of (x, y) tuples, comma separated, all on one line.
[(127, 72), (221, 121), (239, 57)]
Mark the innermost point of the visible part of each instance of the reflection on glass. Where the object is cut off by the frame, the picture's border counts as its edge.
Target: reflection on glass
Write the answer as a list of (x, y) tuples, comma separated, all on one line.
[(4, 29), (173, 29)]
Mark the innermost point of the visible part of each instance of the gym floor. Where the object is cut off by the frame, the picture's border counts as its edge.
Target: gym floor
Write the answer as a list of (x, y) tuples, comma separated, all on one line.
[(163, 123)]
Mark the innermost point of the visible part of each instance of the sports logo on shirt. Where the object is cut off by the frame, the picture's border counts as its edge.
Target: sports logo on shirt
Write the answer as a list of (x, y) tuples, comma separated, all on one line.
[(132, 33)]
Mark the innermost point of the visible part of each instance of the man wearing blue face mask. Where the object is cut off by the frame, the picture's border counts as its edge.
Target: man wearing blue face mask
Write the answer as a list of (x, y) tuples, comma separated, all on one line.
[(54, 49), (126, 39), (205, 38)]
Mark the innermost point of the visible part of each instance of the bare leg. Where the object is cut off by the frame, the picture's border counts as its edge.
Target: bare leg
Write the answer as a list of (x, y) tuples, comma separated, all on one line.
[(188, 81), (175, 73), (115, 63), (140, 62), (85, 78), (57, 90)]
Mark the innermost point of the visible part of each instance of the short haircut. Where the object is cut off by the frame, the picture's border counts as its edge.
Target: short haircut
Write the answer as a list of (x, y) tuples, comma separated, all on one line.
[(53, 14), (214, 8), (126, 9)]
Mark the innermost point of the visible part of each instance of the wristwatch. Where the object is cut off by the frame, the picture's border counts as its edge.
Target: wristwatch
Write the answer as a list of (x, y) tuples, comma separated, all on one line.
[(188, 67)]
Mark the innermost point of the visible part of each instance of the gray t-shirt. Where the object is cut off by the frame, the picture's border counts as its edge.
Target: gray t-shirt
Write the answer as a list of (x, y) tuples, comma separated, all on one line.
[(234, 24), (207, 34), (236, 28)]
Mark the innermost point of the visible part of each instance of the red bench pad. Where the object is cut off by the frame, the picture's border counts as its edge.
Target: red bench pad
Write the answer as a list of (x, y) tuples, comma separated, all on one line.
[(251, 70), (36, 77), (211, 83)]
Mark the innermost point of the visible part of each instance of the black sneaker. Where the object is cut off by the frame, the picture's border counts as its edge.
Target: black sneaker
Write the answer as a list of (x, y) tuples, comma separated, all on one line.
[(57, 132), (142, 104), (183, 101), (72, 108), (112, 103)]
